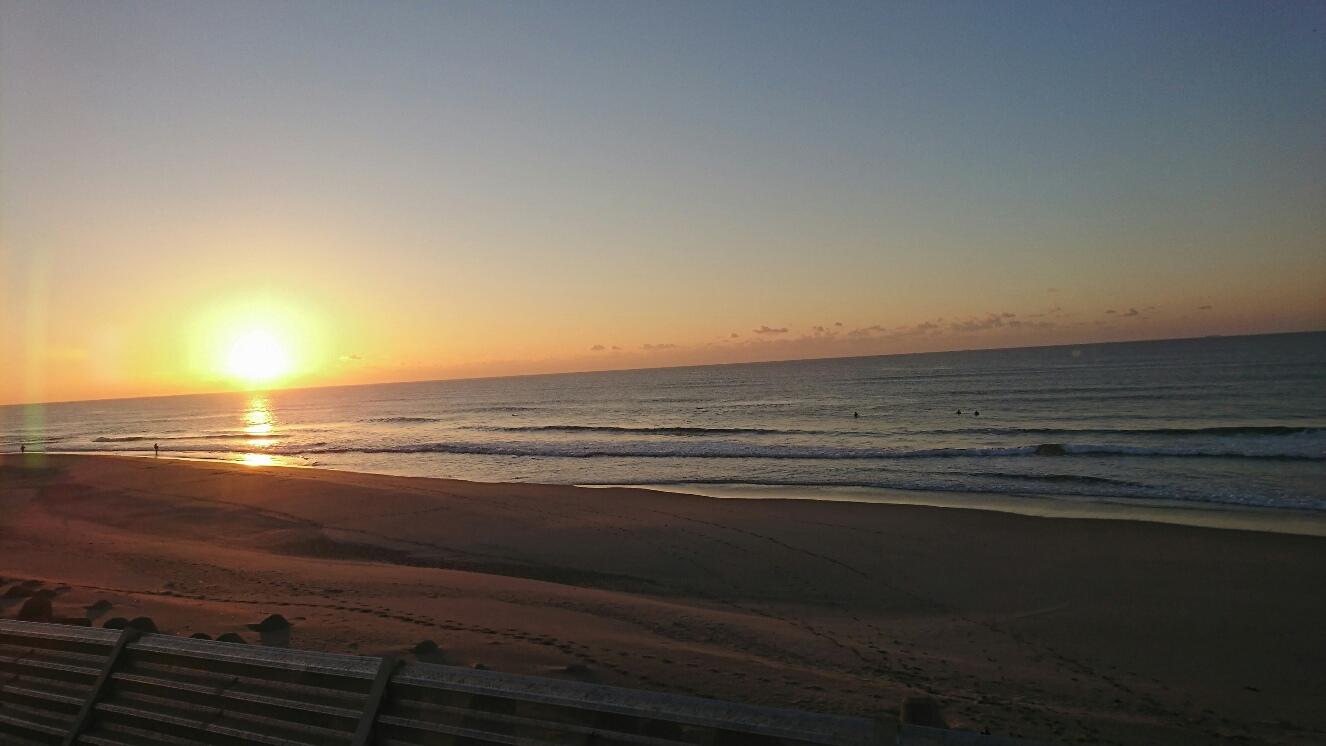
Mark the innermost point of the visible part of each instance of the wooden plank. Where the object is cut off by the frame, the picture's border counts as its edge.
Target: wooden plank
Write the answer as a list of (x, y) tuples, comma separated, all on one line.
[(187, 670), (31, 726), (65, 633), (41, 694), (153, 719), (376, 693), (796, 725), (45, 665), (221, 677), (185, 689), (345, 667), (84, 717)]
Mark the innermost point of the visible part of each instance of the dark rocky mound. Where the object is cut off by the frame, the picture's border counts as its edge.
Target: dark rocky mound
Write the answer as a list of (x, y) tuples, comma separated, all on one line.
[(143, 624), (116, 622), (232, 637), (36, 609), (273, 623), (200, 636), (427, 647)]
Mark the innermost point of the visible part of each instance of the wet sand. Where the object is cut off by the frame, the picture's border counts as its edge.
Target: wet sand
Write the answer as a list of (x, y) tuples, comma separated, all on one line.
[(1181, 513), (1058, 628)]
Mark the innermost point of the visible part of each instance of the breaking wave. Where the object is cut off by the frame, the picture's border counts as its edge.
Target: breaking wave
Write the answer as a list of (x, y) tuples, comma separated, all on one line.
[(648, 430), (738, 450)]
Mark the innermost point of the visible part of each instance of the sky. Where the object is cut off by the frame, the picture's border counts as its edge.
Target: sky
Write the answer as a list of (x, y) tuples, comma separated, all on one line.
[(407, 191)]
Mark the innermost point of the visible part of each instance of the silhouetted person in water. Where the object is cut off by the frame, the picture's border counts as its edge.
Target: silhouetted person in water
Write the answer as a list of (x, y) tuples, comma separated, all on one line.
[(977, 413), (959, 411), (22, 447), (856, 415), (156, 450)]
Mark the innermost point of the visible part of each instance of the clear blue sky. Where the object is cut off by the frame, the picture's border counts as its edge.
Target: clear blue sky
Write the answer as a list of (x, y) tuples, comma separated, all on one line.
[(505, 186)]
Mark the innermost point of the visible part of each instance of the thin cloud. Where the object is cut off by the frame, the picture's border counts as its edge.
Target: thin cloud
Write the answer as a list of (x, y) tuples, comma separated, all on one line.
[(656, 347), (597, 348), (765, 329), (925, 327), (1132, 312), (991, 321), (1206, 307), (867, 331)]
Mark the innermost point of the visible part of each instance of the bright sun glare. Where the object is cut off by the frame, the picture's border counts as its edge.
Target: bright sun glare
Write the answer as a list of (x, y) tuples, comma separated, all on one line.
[(257, 357)]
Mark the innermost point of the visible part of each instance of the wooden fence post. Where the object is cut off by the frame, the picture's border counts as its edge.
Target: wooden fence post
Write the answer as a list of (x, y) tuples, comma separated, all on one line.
[(84, 717), (376, 693)]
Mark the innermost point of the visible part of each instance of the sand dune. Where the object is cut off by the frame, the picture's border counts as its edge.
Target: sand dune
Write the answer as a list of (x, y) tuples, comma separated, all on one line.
[(1103, 630)]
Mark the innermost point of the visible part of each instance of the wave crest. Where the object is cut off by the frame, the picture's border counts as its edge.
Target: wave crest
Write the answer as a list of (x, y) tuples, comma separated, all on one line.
[(738, 450)]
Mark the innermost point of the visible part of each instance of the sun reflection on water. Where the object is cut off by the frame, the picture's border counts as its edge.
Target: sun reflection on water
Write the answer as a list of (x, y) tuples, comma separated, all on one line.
[(259, 421), (257, 459)]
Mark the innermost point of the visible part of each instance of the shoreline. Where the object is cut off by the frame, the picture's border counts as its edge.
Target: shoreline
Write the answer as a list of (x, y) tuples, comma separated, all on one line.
[(1226, 516), (1178, 513), (1029, 626)]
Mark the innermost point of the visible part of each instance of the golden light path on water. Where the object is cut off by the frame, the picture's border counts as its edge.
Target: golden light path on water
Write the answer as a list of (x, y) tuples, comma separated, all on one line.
[(259, 421)]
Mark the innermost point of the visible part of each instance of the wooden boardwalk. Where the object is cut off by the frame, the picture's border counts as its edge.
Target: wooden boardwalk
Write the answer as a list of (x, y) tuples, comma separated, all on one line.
[(76, 685)]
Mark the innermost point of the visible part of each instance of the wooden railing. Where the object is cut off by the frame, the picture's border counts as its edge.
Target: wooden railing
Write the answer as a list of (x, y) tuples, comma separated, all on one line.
[(76, 685)]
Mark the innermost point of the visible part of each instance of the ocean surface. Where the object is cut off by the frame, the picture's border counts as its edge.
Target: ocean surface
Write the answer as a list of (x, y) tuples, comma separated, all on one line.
[(1226, 421)]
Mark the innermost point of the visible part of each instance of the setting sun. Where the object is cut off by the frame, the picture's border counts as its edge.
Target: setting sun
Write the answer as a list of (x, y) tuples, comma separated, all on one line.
[(257, 357)]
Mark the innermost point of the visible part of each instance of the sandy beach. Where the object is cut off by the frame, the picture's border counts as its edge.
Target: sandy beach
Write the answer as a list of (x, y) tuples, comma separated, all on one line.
[(1056, 628)]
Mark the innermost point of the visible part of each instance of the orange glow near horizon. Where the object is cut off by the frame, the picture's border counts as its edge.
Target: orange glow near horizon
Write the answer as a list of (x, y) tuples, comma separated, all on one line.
[(252, 343)]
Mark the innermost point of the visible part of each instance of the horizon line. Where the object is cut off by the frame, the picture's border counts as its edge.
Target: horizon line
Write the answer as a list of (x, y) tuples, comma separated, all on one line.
[(658, 367)]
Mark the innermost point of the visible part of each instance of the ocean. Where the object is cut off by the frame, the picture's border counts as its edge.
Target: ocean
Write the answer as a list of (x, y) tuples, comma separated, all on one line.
[(1220, 421)]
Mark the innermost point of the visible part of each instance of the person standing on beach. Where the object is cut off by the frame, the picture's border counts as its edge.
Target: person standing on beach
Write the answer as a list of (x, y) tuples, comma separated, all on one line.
[(156, 450)]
